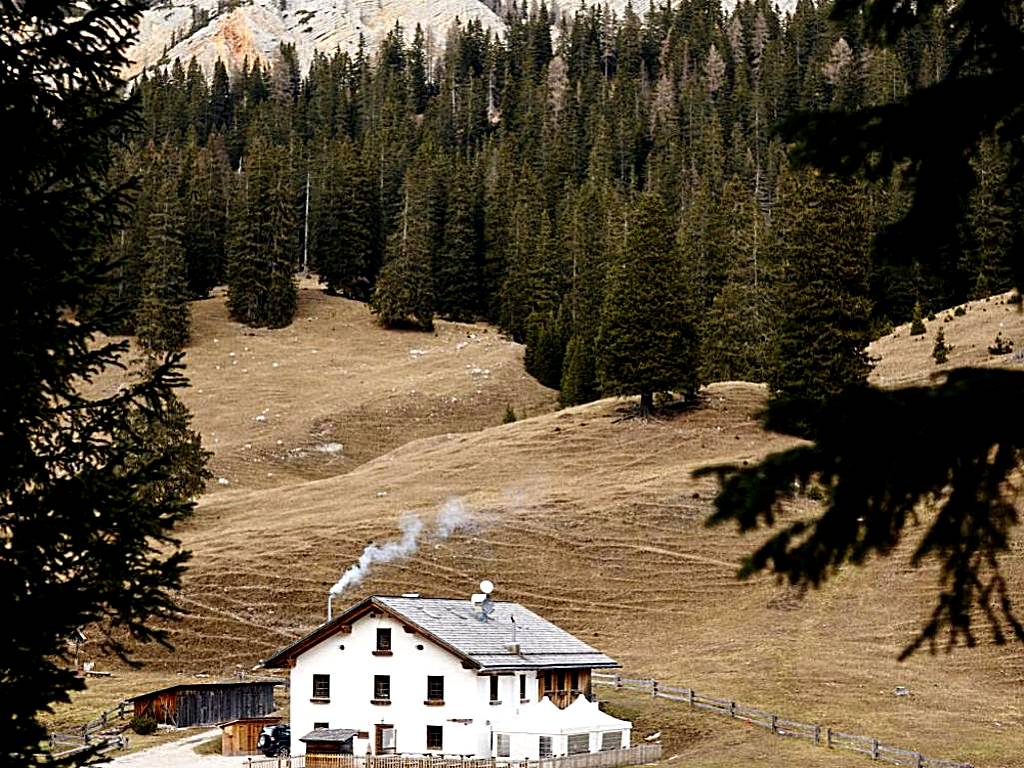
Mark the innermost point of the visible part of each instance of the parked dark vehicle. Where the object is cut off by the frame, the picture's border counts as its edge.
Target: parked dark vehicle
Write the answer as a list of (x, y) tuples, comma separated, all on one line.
[(275, 740)]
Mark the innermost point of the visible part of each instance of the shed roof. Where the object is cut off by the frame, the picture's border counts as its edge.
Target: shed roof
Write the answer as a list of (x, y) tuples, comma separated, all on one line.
[(456, 625), (328, 735), (268, 720), (206, 685)]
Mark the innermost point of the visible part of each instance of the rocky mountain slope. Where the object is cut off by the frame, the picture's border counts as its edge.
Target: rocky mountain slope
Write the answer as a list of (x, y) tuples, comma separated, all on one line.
[(232, 30)]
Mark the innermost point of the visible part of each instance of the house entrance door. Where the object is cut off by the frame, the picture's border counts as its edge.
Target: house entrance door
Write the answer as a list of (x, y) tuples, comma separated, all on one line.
[(384, 739)]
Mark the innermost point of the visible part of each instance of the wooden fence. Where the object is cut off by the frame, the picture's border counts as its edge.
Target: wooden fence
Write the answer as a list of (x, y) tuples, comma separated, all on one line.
[(778, 725), (640, 754), (94, 734)]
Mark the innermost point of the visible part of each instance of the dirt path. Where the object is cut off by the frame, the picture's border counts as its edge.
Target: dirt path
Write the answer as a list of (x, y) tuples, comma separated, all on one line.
[(177, 754)]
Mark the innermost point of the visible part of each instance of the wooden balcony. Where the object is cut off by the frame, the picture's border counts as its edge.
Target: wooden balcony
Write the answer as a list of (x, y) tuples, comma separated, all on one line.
[(563, 698), (562, 686)]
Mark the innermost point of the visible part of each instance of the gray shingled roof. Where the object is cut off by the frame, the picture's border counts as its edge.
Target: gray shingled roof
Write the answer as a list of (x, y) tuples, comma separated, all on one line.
[(331, 735), (457, 624)]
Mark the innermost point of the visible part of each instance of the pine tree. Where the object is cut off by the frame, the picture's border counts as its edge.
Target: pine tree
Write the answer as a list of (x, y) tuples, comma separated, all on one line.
[(261, 257), (84, 541), (344, 222), (404, 296), (917, 327), (737, 329), (579, 373), (647, 342), (205, 217), (823, 246), (457, 264), (941, 349), (162, 319)]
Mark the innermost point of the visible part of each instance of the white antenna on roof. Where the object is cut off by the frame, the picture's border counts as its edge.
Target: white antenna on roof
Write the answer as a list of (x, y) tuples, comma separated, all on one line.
[(482, 600)]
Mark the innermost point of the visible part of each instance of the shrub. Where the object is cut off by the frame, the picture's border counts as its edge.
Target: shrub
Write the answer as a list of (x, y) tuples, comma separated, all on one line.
[(1015, 298), (960, 311), (143, 725), (1001, 346), (510, 415)]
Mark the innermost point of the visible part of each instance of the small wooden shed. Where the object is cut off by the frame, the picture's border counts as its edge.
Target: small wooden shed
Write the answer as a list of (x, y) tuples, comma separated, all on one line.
[(239, 737), (202, 703)]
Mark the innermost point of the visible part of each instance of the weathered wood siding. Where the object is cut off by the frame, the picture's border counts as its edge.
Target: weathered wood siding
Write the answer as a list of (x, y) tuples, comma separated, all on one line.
[(185, 706), (160, 706), (212, 705), (239, 738)]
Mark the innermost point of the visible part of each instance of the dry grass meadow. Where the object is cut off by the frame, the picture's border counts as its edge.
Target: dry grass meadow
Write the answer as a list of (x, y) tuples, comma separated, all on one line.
[(592, 519)]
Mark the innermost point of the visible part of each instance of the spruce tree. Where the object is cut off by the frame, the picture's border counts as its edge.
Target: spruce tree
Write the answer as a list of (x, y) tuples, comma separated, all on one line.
[(85, 542), (579, 374), (737, 329), (264, 227), (647, 341), (941, 349), (404, 295), (205, 217), (162, 319), (823, 245), (457, 263), (343, 221)]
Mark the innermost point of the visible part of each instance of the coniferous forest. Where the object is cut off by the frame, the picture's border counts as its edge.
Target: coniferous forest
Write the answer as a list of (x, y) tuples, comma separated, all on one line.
[(613, 192)]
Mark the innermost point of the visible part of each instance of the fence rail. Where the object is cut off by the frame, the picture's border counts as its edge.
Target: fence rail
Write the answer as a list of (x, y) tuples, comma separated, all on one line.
[(94, 734), (640, 754), (778, 725)]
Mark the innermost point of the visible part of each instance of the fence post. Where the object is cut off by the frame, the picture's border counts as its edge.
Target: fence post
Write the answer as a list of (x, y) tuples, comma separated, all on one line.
[(618, 681), (732, 709), (828, 738), (654, 688), (817, 734), (775, 723), (918, 760), (689, 697), (874, 749)]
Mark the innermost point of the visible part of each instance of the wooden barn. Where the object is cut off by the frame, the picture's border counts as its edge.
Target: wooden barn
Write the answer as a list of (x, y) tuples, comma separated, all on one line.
[(239, 737), (200, 703)]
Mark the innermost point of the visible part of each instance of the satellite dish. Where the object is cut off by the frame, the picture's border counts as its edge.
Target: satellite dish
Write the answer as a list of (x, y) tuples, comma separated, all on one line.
[(486, 586)]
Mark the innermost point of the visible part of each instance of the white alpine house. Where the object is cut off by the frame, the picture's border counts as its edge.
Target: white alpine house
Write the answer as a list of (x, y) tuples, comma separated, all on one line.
[(438, 676)]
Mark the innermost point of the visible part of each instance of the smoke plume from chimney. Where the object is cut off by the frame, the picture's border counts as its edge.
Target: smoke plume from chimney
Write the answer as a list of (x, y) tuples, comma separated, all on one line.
[(452, 517)]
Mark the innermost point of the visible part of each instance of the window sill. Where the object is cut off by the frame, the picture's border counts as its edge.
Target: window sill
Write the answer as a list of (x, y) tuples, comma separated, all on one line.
[(319, 700), (495, 703), (381, 702), (433, 702), (383, 653)]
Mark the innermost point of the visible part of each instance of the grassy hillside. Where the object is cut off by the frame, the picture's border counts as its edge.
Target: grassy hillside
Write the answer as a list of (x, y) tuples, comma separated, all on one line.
[(588, 517)]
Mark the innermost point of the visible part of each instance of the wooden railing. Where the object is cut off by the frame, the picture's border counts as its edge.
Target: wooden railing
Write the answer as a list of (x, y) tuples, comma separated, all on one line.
[(92, 735), (641, 754), (778, 725), (562, 698)]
